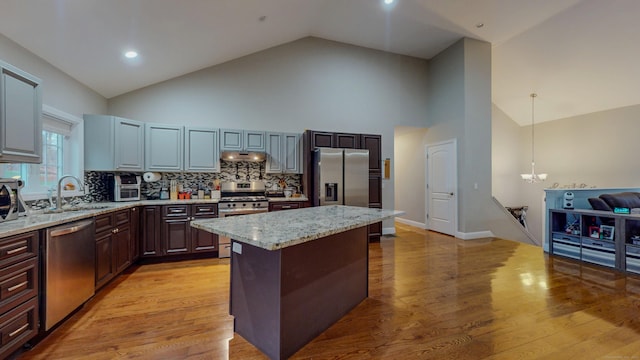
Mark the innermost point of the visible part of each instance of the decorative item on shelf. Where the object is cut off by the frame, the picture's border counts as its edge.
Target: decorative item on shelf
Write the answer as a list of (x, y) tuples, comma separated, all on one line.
[(533, 177), (594, 232), (635, 239), (568, 200), (573, 228), (606, 232), (621, 210)]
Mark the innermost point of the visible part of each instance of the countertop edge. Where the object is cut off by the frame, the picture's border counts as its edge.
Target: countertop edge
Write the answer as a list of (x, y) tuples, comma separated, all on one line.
[(202, 225)]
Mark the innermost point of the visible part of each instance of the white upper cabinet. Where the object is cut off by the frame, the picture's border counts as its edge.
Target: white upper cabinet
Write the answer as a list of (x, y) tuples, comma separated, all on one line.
[(20, 116), (283, 153), (242, 140), (163, 147), (113, 143), (201, 150)]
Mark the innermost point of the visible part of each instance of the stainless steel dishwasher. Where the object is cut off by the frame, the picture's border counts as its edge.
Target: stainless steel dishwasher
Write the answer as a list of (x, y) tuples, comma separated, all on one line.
[(69, 269)]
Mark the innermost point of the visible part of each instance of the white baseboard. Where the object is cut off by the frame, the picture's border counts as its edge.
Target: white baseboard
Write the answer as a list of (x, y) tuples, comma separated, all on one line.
[(474, 235), (412, 223)]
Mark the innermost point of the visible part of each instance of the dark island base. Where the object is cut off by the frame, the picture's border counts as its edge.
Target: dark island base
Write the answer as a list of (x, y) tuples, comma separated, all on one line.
[(282, 299)]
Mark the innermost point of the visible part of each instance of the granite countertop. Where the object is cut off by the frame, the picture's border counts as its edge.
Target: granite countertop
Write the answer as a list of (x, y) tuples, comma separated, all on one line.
[(38, 219), (276, 230)]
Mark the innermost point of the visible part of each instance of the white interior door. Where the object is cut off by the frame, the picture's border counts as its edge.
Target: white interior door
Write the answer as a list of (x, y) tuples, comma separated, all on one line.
[(442, 185)]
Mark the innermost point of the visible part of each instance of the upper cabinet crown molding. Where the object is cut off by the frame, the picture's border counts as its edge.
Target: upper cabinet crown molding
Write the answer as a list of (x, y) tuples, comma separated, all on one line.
[(20, 116)]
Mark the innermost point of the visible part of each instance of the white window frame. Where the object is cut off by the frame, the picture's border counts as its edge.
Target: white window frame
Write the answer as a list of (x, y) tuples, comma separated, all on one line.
[(72, 127)]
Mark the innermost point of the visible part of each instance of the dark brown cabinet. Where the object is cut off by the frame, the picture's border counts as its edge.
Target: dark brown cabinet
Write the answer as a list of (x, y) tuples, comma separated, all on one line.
[(19, 291), (373, 143), (135, 233), (203, 241), (166, 230), (347, 141), (113, 245), (150, 231), (321, 139), (334, 140)]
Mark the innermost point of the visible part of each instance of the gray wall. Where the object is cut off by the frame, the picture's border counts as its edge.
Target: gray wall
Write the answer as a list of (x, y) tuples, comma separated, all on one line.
[(307, 84), (59, 90), (459, 102)]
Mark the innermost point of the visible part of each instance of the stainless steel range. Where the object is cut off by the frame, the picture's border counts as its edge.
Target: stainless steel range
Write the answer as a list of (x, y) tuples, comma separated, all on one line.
[(240, 198)]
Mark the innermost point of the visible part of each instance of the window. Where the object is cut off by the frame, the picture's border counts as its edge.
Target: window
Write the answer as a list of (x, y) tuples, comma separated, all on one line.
[(60, 145), (40, 177)]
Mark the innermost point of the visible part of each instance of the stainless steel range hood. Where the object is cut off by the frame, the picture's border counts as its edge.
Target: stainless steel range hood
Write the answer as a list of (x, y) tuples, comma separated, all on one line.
[(243, 156)]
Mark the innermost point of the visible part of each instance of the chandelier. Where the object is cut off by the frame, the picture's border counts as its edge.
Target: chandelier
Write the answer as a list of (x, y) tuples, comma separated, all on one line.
[(533, 177)]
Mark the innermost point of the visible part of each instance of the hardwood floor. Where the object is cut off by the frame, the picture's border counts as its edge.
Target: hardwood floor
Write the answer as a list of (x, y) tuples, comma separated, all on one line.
[(430, 297)]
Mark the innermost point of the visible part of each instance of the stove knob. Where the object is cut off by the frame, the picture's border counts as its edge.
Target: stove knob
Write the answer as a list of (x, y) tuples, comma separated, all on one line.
[(243, 204), (234, 205)]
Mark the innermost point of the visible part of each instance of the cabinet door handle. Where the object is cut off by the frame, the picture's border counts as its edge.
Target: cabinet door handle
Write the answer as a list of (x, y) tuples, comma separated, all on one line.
[(19, 330), (133, 209), (13, 251), (14, 287)]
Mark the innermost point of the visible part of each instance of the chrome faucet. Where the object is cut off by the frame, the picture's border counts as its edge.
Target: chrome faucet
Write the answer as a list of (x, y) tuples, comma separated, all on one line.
[(59, 193)]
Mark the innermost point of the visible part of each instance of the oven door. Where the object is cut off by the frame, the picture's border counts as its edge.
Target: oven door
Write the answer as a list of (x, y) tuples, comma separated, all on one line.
[(224, 243)]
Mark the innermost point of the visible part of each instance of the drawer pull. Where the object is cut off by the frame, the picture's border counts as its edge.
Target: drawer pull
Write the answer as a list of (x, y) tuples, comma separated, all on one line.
[(14, 287), (19, 330), (205, 209), (177, 210), (286, 206), (13, 251)]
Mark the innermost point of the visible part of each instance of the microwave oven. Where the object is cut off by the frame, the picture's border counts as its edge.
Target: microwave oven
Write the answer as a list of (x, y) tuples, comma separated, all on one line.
[(9, 199), (124, 187)]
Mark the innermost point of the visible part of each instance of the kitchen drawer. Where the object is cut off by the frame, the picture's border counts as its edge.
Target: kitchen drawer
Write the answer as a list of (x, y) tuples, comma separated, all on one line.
[(122, 217), (18, 326), (277, 206), (104, 223), (205, 210), (18, 283), (175, 210), (18, 248)]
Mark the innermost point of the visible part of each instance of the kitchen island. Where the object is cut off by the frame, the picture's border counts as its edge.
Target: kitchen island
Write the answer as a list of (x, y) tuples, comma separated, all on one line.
[(294, 273)]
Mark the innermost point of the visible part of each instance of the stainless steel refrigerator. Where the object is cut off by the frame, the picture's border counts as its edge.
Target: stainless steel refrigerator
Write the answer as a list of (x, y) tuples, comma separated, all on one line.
[(341, 177)]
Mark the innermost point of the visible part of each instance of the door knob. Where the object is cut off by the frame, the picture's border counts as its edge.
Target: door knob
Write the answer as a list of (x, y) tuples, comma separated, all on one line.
[(451, 193)]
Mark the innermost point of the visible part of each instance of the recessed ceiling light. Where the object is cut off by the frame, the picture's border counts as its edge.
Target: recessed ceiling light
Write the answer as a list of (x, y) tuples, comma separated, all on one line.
[(479, 25), (262, 18), (131, 54), (388, 2)]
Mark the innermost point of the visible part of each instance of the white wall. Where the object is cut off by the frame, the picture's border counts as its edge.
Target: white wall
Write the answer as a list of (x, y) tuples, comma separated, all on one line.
[(307, 84), (59, 90), (409, 172)]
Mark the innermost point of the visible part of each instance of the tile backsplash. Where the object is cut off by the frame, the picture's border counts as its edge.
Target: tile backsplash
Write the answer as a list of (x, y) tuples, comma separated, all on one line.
[(96, 182)]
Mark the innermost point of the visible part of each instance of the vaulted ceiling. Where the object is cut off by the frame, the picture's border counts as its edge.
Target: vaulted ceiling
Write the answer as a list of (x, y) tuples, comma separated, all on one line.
[(578, 55)]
